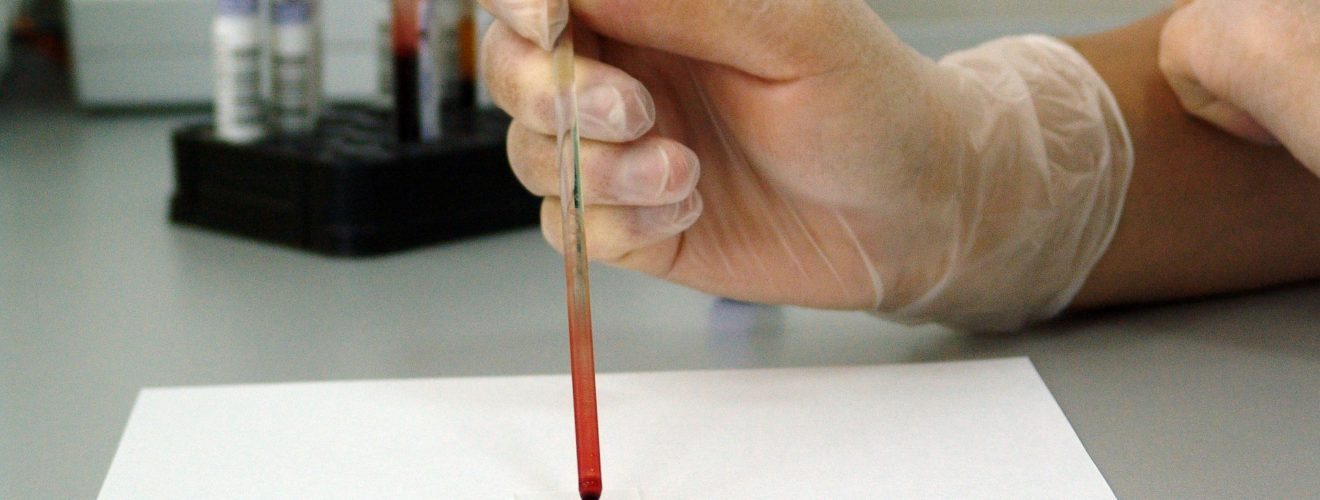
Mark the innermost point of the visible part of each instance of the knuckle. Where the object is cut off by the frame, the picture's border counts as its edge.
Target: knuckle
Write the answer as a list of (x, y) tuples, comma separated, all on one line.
[(529, 158), (685, 170), (496, 66), (504, 59), (539, 111), (551, 229), (516, 147)]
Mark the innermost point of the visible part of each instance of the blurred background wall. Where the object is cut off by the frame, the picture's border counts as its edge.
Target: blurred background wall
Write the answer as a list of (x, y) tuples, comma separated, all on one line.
[(154, 52)]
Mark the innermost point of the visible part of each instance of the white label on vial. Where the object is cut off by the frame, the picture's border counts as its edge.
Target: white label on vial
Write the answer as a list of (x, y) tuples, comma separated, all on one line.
[(428, 81), (448, 16), (237, 56), (384, 58), (484, 20), (295, 75)]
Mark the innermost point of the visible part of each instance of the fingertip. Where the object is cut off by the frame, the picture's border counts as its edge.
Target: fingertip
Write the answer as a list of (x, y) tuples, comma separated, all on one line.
[(646, 104), (614, 111), (613, 106), (696, 207), (556, 23), (515, 72), (653, 173), (631, 236), (685, 172), (682, 171), (551, 223), (668, 220), (540, 21), (524, 150)]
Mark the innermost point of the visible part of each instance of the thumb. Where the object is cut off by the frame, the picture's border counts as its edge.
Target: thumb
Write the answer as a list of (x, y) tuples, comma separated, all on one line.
[(540, 21)]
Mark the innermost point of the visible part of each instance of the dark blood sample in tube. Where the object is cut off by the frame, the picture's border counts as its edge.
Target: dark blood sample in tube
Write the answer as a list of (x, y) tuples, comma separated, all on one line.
[(405, 32)]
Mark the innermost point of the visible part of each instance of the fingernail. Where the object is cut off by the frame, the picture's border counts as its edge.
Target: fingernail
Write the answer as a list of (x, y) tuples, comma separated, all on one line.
[(643, 175), (540, 21), (556, 19), (642, 107), (648, 175), (672, 218), (687, 181), (608, 114)]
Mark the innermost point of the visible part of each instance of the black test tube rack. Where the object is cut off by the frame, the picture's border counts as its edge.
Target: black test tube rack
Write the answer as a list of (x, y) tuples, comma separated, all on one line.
[(351, 189)]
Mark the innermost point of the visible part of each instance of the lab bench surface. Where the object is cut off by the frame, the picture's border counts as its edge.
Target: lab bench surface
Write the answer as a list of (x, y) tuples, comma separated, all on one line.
[(100, 296)]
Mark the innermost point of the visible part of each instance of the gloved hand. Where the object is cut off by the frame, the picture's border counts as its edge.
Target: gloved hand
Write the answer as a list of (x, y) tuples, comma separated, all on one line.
[(798, 152), (1250, 67)]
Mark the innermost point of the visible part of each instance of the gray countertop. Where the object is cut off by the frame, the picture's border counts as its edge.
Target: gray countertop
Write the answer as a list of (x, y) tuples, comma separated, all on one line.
[(100, 296)]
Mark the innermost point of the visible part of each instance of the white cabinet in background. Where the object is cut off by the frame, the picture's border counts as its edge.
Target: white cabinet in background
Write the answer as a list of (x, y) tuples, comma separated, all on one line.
[(157, 52)]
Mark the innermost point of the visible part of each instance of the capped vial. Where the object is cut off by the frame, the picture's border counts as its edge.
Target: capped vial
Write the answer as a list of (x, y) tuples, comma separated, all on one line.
[(406, 31), (484, 21), (430, 50), (295, 66), (384, 95), (236, 45)]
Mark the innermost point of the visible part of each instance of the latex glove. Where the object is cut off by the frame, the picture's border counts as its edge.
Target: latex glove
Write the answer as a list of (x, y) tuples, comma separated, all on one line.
[(799, 153), (1250, 67)]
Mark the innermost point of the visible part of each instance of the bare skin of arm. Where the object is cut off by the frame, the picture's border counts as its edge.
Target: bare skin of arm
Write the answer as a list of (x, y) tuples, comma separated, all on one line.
[(1206, 213)]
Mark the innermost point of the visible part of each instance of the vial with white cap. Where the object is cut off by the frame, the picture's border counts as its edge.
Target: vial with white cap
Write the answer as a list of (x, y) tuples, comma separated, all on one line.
[(384, 94), (236, 42), (295, 66), (483, 98)]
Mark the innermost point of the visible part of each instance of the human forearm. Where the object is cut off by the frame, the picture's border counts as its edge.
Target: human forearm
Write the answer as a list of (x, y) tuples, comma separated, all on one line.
[(1206, 212)]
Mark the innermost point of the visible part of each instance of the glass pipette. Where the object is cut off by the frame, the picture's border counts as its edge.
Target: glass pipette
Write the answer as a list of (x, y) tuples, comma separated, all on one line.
[(575, 269)]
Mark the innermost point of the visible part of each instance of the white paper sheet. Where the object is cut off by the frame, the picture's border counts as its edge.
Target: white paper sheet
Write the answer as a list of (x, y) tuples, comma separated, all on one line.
[(981, 429)]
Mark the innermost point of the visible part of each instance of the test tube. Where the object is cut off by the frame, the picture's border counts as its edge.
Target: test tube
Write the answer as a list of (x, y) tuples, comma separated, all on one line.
[(384, 98), (404, 31), (430, 66), (463, 77), (483, 99), (434, 49), (447, 66), (236, 42), (295, 65)]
